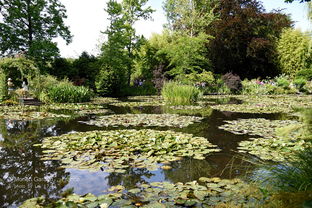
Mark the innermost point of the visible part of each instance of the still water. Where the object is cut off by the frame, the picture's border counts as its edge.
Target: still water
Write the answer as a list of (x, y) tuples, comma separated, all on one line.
[(23, 175)]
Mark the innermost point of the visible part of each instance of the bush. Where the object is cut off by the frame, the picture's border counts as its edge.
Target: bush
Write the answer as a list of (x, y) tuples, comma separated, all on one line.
[(293, 51), (299, 84), (305, 74), (66, 92), (175, 93), (257, 87), (233, 82), (282, 81)]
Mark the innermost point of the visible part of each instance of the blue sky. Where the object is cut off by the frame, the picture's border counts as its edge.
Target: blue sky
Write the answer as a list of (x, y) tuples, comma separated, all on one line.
[(87, 19)]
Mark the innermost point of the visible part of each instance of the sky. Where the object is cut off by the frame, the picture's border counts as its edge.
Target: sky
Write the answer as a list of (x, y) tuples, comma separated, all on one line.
[(87, 20)]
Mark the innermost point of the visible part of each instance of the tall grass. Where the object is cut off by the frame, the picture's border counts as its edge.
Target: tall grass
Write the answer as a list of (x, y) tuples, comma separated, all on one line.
[(175, 93), (66, 93), (296, 175), (49, 90)]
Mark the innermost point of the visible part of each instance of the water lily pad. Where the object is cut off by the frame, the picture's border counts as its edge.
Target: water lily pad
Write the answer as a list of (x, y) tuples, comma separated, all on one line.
[(115, 151), (266, 103), (271, 145), (144, 120), (165, 194)]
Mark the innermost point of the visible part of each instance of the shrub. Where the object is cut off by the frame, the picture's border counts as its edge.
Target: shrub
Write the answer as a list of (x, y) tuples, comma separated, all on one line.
[(175, 93), (66, 92), (305, 74), (282, 81), (205, 77), (257, 87), (233, 82), (300, 83), (293, 51)]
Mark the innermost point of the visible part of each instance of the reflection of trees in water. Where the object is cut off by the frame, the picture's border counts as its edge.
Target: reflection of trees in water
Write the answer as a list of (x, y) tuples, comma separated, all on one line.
[(187, 170), (22, 174), (130, 178)]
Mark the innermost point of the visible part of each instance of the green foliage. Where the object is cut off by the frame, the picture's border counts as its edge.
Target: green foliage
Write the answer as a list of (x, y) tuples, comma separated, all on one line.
[(41, 83), (62, 68), (256, 87), (175, 93), (145, 61), (86, 69), (3, 86), (193, 78), (300, 83), (31, 26), (283, 82), (189, 17), (106, 83), (146, 89), (306, 118), (118, 51), (66, 92), (19, 68), (293, 49), (43, 52), (187, 54), (305, 74), (296, 175)]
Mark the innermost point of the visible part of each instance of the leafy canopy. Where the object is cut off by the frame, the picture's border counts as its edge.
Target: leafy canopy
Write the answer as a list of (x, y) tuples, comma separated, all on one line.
[(30, 25), (118, 50)]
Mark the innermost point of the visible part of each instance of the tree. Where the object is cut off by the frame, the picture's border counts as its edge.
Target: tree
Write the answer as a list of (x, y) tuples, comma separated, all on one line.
[(118, 51), (186, 42), (293, 51), (189, 16), (86, 68), (244, 38), (30, 26)]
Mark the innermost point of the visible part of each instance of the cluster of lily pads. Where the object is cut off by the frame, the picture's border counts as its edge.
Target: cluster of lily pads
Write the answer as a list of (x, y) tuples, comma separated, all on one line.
[(210, 192), (267, 104), (138, 104), (256, 127), (269, 145), (115, 151), (26, 112), (172, 120), (104, 100)]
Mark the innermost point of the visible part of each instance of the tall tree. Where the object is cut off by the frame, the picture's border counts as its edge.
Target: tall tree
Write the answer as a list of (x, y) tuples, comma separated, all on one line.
[(118, 51), (245, 37), (189, 16), (30, 26)]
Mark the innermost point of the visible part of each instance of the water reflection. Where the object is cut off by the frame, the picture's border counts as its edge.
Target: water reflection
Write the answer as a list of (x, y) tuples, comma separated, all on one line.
[(23, 175)]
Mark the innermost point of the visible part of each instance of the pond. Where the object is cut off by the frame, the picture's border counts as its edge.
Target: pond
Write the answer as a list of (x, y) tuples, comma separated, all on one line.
[(23, 175)]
